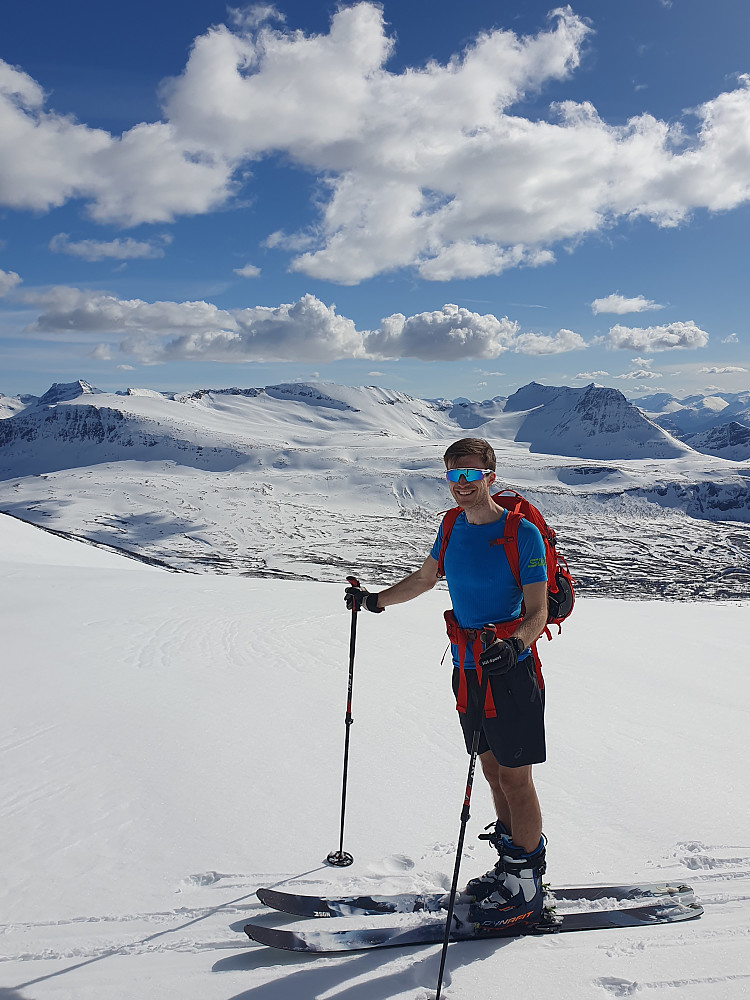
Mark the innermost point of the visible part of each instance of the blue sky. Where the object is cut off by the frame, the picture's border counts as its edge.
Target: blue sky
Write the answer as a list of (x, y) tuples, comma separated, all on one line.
[(448, 199)]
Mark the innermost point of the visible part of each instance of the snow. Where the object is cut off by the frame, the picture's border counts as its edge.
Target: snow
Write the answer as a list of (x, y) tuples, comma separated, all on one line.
[(173, 741)]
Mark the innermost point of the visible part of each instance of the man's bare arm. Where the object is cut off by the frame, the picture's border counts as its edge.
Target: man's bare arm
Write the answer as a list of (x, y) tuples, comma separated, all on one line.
[(411, 586), (535, 618)]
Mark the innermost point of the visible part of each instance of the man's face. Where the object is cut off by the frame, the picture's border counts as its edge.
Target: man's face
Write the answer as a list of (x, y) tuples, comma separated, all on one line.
[(468, 495)]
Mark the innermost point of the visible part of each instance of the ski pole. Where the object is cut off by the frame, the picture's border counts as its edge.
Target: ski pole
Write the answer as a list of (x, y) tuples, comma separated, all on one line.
[(488, 635), (341, 858)]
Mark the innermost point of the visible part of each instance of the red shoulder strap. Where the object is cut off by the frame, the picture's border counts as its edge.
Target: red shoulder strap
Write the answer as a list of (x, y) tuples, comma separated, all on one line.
[(510, 541), (448, 521)]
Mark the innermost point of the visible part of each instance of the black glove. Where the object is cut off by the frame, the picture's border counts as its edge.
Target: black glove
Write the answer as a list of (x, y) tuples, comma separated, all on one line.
[(501, 656), (359, 597)]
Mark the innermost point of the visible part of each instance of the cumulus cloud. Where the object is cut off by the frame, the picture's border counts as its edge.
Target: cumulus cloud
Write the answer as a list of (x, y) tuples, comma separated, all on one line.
[(425, 168), (248, 271), (148, 174), (8, 281), (619, 304), (643, 362), (642, 373), (673, 336), (731, 339), (447, 334), (562, 342), (119, 249), (592, 374), (721, 371), (306, 330)]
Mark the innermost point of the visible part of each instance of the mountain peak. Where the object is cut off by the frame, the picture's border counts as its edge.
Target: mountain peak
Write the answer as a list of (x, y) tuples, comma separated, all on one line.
[(60, 392)]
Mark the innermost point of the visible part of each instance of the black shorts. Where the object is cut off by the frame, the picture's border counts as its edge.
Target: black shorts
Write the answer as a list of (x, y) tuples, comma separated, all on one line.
[(516, 736)]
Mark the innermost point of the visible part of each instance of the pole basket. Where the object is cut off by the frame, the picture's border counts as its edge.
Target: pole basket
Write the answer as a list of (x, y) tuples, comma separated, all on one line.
[(339, 859)]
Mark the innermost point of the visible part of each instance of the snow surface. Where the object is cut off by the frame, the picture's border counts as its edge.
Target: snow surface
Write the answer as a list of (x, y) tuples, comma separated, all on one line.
[(172, 741), (307, 480)]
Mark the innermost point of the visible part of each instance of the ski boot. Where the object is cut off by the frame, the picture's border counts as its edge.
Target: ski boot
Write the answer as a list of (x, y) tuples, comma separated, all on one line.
[(484, 885), (519, 899)]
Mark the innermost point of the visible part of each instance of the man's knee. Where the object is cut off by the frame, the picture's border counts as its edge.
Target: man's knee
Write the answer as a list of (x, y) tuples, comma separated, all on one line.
[(515, 779), (490, 768)]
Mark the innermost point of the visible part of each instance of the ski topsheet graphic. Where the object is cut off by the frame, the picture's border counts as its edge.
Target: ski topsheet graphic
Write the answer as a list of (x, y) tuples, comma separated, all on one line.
[(427, 927), (409, 902)]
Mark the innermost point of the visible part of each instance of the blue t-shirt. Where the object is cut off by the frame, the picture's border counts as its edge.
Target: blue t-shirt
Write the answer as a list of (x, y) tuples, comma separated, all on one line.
[(477, 571)]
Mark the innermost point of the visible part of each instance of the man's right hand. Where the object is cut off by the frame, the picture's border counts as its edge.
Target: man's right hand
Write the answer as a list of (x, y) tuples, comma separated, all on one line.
[(358, 597)]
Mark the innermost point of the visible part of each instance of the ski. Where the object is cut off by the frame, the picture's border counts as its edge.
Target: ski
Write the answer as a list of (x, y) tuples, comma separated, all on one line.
[(411, 902), (334, 937)]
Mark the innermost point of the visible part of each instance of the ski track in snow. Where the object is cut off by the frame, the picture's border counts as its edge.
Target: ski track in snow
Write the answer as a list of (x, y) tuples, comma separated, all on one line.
[(214, 925)]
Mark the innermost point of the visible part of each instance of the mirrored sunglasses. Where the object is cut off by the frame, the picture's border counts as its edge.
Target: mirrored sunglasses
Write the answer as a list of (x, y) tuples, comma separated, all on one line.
[(470, 475)]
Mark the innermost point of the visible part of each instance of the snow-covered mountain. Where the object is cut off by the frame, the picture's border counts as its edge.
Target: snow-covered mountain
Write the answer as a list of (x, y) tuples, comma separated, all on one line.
[(75, 424), (730, 441), (594, 422), (694, 414), (316, 480)]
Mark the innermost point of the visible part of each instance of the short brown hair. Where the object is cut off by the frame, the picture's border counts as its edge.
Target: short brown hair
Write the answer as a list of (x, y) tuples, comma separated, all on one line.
[(471, 446)]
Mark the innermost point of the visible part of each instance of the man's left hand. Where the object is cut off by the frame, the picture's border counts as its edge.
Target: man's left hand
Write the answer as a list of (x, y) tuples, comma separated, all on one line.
[(500, 656)]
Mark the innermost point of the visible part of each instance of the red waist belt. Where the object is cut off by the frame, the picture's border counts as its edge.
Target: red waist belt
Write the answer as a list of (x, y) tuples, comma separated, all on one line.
[(463, 637)]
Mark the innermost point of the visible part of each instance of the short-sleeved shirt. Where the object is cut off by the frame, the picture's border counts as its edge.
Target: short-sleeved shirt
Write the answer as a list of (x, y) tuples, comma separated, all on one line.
[(480, 581)]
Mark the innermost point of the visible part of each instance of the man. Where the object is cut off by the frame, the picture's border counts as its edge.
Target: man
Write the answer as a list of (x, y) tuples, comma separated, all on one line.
[(483, 591)]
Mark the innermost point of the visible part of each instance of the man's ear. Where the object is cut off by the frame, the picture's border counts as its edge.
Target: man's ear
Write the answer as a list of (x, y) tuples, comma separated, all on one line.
[(492, 477)]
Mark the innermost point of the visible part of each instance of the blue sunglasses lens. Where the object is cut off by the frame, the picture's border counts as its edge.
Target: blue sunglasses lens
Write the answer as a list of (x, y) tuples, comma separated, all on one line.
[(470, 475)]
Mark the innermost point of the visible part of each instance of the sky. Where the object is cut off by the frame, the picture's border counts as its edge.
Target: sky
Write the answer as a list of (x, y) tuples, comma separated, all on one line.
[(447, 199)]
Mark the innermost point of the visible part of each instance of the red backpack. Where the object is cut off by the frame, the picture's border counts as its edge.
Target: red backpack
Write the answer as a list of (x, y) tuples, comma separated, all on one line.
[(560, 592)]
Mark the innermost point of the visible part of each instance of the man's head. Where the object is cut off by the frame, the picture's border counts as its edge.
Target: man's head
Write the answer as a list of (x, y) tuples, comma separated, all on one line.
[(471, 454), (476, 447)]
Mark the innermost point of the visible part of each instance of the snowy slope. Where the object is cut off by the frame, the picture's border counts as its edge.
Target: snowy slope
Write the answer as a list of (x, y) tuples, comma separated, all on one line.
[(301, 480), (730, 440), (173, 741)]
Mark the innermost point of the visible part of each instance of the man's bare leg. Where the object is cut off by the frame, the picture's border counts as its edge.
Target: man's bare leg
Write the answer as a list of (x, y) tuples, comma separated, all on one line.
[(515, 800)]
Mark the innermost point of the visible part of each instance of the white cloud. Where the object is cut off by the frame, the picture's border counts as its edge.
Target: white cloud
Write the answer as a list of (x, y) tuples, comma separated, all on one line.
[(731, 339), (619, 304), (592, 375), (721, 371), (119, 249), (470, 259), (8, 281), (448, 334), (149, 174), (254, 15), (643, 362), (307, 330), (425, 168), (672, 336), (641, 373), (562, 342), (248, 271)]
